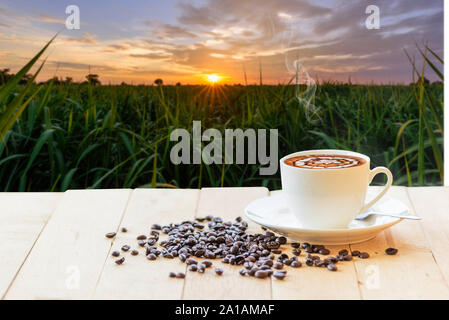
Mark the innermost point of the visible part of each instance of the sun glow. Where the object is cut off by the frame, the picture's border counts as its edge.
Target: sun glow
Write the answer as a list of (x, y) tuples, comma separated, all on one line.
[(213, 78)]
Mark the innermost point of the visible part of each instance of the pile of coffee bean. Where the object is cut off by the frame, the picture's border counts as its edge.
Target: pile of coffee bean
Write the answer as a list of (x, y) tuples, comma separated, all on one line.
[(190, 241)]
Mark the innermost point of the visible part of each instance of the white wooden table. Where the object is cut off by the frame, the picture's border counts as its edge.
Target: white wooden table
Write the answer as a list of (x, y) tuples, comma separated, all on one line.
[(52, 246)]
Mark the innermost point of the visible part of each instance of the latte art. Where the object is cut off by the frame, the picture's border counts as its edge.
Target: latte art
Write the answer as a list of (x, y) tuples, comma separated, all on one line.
[(325, 161)]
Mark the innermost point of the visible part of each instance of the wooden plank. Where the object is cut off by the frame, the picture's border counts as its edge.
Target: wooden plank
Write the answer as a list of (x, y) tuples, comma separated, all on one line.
[(411, 274), (227, 203), (139, 278), (432, 204), (68, 257), (22, 218), (317, 283)]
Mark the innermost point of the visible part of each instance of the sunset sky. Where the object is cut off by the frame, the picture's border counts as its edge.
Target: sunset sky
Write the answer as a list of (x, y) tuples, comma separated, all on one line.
[(137, 41)]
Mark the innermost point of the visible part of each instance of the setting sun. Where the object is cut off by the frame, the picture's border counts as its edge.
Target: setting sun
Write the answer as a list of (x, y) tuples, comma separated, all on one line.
[(213, 78)]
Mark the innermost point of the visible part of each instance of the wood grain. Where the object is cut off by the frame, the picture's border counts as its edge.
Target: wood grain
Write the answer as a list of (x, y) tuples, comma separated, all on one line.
[(22, 218), (69, 255), (411, 274), (138, 277), (65, 255), (317, 283), (432, 204), (227, 203)]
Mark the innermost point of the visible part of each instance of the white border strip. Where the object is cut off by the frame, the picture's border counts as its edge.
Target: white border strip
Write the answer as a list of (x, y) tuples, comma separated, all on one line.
[(446, 95)]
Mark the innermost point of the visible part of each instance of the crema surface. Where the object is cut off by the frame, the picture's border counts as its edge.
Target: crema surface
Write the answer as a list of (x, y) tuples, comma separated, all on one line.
[(324, 161)]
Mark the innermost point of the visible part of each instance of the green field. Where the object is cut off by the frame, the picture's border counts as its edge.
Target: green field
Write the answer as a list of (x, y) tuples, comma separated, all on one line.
[(86, 136)]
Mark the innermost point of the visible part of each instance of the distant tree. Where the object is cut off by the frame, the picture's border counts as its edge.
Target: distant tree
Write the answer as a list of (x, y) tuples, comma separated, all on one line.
[(123, 83), (178, 84), (68, 80), (158, 82), (4, 76), (423, 80), (55, 80), (93, 79), (26, 78)]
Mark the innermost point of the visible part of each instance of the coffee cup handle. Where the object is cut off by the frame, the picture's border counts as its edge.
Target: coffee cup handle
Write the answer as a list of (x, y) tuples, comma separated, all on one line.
[(372, 173)]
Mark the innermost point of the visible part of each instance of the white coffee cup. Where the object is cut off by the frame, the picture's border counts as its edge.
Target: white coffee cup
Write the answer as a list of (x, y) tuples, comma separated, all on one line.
[(329, 198)]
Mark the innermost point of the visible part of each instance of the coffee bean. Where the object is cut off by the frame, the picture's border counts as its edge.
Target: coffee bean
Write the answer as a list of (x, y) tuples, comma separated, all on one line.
[(316, 248), (332, 267), (207, 263), (151, 256), (191, 261), (279, 275), (253, 271), (268, 263), (115, 253), (219, 271), (305, 245), (230, 242), (124, 229), (172, 275), (120, 261), (141, 243), (180, 275), (347, 257), (282, 240), (151, 241), (193, 267), (355, 253), (110, 235), (320, 263), (391, 251), (261, 274), (364, 255), (295, 264)]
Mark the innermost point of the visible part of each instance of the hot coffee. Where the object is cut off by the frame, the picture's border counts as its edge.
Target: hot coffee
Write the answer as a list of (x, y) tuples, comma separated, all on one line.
[(324, 161)]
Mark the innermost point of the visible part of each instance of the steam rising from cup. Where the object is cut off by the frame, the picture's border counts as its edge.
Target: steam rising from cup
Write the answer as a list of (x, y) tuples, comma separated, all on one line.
[(305, 84)]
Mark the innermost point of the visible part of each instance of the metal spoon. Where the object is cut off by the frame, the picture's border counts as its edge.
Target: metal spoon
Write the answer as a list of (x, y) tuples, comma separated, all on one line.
[(402, 215)]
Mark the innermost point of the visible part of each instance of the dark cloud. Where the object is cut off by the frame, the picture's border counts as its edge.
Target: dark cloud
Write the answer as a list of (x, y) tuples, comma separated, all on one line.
[(173, 32), (86, 39), (81, 66), (328, 41), (151, 56)]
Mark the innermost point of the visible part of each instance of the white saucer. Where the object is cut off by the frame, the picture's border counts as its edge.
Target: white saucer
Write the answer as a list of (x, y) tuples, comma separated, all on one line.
[(272, 213)]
